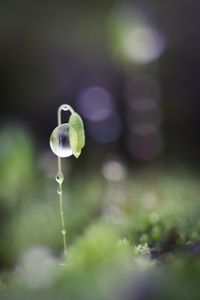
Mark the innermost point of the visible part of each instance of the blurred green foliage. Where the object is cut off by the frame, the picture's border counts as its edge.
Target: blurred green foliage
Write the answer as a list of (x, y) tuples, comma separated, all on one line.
[(109, 255), (17, 164)]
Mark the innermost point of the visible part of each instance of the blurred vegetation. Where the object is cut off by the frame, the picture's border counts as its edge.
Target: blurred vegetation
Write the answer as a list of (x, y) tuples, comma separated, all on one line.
[(130, 68), (144, 242)]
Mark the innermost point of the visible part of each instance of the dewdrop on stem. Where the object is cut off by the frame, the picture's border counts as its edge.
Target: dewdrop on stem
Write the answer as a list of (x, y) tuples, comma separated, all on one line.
[(59, 141), (66, 139), (59, 177)]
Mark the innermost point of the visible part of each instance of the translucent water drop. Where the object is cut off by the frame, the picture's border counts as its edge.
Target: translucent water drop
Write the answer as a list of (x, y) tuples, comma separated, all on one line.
[(59, 141), (59, 177), (59, 190)]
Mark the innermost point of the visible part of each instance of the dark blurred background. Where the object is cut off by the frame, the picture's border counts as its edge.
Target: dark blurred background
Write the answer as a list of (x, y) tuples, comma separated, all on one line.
[(130, 68)]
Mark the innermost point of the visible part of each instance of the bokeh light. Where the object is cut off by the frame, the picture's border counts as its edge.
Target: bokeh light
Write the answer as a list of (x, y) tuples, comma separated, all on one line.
[(95, 103), (143, 117), (145, 144), (137, 39), (37, 267), (107, 130), (143, 44), (114, 170)]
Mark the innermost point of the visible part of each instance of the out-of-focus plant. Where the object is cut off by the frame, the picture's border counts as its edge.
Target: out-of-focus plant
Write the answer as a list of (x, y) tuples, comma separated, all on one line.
[(66, 139), (16, 164)]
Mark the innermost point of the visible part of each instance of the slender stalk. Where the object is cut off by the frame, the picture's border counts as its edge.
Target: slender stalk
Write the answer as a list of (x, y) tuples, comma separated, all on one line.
[(60, 194), (64, 107), (59, 179)]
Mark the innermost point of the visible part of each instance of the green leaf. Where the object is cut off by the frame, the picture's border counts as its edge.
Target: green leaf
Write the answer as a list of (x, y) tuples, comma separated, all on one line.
[(76, 134)]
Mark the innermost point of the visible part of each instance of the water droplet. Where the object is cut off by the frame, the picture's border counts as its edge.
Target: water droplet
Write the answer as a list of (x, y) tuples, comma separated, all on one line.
[(59, 177), (59, 141), (59, 190)]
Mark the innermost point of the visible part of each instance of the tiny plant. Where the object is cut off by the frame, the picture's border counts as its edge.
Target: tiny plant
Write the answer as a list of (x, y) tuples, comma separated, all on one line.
[(142, 249), (66, 139)]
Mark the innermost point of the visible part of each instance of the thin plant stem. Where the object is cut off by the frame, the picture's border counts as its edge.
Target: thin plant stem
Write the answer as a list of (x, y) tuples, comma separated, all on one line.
[(60, 193), (64, 107)]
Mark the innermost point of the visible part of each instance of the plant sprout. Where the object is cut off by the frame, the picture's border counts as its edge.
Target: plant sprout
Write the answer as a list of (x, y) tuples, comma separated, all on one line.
[(66, 139)]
